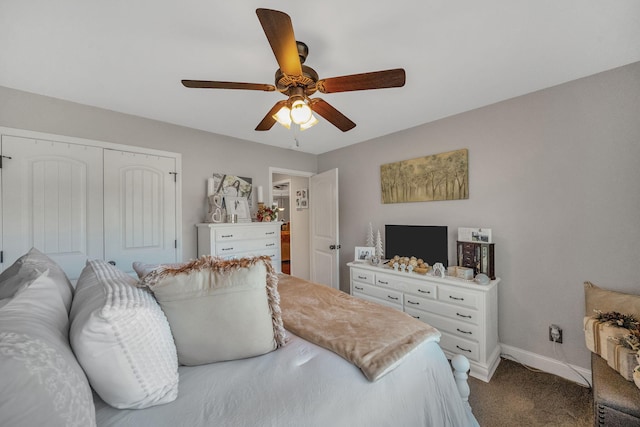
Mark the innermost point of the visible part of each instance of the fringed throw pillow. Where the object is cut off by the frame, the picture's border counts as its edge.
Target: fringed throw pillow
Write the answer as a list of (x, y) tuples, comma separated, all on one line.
[(220, 309)]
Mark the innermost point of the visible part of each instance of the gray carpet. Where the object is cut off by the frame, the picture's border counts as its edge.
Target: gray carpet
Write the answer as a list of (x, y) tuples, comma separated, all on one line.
[(516, 396)]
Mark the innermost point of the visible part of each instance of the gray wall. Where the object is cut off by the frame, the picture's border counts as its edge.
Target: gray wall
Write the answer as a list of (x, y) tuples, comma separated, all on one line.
[(555, 174), (202, 153)]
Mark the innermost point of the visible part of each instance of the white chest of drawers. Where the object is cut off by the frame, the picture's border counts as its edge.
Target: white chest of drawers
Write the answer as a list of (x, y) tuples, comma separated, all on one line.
[(465, 313), (240, 240)]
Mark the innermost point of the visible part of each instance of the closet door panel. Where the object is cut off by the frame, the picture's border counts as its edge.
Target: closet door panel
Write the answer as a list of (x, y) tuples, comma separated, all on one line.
[(52, 200), (140, 208)]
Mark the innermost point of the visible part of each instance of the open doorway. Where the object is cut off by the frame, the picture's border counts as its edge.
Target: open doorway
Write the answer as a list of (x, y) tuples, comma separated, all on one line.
[(295, 228), (281, 194)]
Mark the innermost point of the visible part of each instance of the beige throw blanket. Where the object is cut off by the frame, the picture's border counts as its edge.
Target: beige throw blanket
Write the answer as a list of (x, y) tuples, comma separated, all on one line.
[(371, 336)]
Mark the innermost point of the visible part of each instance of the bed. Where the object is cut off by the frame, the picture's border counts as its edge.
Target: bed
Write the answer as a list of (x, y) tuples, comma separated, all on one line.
[(301, 383)]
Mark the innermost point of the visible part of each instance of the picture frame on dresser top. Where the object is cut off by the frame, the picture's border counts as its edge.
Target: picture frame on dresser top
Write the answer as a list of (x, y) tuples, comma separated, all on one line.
[(238, 206), (363, 253), (465, 313), (227, 240)]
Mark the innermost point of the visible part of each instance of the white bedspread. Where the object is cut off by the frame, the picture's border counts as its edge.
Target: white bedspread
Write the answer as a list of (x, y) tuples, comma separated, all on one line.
[(302, 384)]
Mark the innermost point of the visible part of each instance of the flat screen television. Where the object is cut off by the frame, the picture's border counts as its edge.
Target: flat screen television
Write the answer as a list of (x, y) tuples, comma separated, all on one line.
[(428, 242)]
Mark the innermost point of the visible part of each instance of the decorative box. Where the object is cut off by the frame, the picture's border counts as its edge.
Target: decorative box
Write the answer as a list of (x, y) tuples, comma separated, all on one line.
[(620, 358), (464, 273), (596, 333)]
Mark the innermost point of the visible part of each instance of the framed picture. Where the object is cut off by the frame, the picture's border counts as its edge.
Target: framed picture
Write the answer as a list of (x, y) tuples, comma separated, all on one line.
[(231, 186), (443, 176), (364, 253), (302, 198), (238, 206), (480, 235)]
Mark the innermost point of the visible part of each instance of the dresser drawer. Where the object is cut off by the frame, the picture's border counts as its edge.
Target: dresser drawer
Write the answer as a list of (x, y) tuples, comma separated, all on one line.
[(387, 303), (423, 290), (453, 311), (258, 247), (457, 345), (444, 324), (415, 302), (244, 233), (383, 294), (460, 297), (363, 276)]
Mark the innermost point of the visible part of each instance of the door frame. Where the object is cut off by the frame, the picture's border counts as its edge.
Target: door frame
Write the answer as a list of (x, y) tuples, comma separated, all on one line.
[(113, 146), (294, 173)]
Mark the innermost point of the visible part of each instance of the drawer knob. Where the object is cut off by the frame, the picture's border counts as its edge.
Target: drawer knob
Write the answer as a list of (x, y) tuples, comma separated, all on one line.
[(411, 302), (457, 299), (270, 244), (226, 235), (424, 292), (463, 349), (226, 249), (464, 332), (360, 289), (393, 298), (383, 283), (270, 232), (462, 315), (362, 277)]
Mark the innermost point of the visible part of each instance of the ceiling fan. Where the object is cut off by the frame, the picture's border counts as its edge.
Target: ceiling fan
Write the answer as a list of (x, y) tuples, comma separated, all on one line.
[(298, 81)]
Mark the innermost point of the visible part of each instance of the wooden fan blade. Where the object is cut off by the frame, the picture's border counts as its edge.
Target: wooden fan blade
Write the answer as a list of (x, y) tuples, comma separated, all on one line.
[(279, 31), (332, 115), (268, 121), (363, 81), (207, 84)]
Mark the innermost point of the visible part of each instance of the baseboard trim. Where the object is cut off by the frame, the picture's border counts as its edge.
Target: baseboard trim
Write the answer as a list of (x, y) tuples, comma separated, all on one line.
[(547, 364)]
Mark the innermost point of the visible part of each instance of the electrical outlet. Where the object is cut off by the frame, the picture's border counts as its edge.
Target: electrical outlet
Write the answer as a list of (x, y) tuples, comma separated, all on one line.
[(555, 334)]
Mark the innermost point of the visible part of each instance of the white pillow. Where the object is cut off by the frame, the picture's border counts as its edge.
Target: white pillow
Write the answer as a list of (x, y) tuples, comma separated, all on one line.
[(142, 269), (41, 383), (30, 266), (220, 309), (122, 339)]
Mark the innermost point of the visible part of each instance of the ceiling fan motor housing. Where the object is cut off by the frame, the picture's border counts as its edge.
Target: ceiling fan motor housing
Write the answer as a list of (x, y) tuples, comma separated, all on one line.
[(307, 80)]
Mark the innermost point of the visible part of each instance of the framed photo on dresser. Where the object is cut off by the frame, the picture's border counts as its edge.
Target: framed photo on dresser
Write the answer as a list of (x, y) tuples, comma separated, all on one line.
[(238, 206)]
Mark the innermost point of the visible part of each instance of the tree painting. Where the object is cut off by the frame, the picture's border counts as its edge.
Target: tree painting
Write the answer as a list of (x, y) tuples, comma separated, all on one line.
[(442, 176)]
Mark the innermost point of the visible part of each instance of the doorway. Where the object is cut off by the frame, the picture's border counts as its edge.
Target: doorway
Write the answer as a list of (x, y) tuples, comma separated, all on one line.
[(281, 193), (297, 219)]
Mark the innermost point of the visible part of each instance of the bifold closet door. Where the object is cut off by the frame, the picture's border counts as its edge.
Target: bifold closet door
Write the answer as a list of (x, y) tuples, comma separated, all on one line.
[(52, 200), (139, 208)]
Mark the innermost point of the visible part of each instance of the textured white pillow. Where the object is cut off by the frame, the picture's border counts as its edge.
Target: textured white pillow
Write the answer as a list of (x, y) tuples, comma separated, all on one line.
[(122, 339), (28, 267), (220, 309), (41, 383)]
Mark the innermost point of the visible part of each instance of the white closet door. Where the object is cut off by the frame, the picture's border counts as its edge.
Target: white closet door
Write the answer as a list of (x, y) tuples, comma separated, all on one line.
[(52, 200), (139, 208)]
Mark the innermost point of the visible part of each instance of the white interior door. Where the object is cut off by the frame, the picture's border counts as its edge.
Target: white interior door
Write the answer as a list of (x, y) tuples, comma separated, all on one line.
[(323, 204), (140, 208), (52, 200)]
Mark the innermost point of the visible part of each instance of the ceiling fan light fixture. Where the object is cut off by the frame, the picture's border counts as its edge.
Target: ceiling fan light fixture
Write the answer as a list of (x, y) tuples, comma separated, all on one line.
[(283, 116), (300, 112), (312, 122)]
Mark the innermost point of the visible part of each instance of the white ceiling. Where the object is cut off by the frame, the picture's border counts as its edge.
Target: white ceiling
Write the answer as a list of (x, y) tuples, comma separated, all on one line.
[(129, 56)]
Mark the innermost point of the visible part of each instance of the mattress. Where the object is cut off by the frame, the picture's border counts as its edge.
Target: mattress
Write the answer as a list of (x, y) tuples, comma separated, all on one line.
[(302, 384)]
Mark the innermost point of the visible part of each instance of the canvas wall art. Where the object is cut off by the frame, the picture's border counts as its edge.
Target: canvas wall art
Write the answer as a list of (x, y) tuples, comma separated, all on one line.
[(233, 186), (443, 176)]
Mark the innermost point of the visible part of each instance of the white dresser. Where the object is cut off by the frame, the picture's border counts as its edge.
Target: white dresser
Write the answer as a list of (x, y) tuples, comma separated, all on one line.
[(228, 241), (464, 312)]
